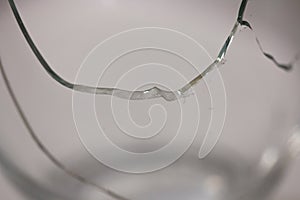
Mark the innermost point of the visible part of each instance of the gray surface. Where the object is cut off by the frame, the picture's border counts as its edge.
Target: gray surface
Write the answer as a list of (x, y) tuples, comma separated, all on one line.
[(262, 101)]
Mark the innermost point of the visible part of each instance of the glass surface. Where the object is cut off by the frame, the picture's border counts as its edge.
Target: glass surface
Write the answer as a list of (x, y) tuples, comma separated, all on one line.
[(258, 100)]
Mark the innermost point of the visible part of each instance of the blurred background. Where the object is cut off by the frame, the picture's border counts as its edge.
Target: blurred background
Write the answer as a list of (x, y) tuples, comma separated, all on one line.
[(262, 100)]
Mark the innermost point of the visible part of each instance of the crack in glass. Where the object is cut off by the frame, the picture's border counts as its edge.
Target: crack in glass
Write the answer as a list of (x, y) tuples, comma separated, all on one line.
[(154, 92), (151, 93)]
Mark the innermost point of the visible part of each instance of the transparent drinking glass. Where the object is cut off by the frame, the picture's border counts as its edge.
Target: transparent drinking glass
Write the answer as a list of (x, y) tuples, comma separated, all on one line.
[(233, 136)]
